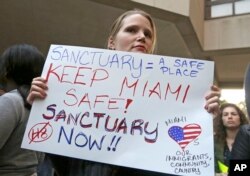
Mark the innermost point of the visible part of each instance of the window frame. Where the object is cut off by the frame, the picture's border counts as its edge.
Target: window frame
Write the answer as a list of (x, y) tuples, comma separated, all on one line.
[(209, 3)]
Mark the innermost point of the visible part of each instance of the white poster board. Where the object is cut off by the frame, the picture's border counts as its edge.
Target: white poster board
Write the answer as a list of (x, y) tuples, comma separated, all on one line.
[(130, 109)]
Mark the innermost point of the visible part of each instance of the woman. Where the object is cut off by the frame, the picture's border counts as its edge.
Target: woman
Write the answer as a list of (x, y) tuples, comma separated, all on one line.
[(19, 65), (231, 118), (133, 31)]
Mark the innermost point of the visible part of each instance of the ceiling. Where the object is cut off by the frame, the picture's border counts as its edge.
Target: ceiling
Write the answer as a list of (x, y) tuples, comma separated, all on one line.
[(87, 22)]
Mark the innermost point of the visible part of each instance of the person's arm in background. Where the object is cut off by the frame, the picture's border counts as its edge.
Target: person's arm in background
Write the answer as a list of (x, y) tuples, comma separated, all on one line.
[(241, 146), (247, 89), (8, 120)]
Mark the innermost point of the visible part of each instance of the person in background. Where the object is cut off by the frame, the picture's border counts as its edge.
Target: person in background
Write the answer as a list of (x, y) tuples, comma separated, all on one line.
[(19, 64), (133, 31), (226, 129), (241, 147), (1, 86), (247, 89)]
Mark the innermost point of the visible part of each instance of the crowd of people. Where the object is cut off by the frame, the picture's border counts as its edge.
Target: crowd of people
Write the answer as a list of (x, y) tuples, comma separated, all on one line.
[(20, 69)]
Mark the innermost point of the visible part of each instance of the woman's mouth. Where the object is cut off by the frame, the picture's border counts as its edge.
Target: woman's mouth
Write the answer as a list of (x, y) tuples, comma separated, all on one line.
[(140, 48)]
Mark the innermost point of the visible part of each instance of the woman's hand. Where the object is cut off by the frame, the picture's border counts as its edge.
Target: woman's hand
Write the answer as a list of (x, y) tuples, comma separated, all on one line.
[(213, 101), (38, 89)]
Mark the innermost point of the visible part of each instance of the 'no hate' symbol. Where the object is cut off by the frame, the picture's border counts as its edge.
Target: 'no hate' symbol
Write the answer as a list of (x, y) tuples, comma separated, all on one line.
[(112, 142), (129, 101), (40, 132)]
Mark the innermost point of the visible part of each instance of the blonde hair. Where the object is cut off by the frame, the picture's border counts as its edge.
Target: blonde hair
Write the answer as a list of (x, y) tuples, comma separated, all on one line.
[(117, 24)]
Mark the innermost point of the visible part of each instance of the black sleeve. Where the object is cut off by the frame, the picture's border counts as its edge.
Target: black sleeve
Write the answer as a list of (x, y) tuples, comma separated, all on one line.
[(241, 146), (247, 88)]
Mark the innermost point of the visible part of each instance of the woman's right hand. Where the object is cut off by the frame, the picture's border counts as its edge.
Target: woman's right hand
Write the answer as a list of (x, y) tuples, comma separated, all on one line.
[(38, 89)]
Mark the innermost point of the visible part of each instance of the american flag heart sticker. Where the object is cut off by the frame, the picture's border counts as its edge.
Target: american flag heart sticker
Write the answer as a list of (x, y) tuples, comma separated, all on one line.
[(183, 136)]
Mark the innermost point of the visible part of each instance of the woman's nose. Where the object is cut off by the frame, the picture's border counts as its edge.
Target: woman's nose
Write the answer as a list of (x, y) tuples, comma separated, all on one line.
[(141, 36)]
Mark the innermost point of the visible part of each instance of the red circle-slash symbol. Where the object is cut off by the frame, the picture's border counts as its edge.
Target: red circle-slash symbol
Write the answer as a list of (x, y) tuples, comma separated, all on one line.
[(40, 132)]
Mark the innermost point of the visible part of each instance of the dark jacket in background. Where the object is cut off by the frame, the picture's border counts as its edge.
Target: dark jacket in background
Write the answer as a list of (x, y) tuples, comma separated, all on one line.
[(247, 89), (241, 147)]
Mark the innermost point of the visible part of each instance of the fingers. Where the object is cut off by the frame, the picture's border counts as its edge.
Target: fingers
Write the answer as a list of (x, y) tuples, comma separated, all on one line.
[(213, 100), (38, 89), (213, 108), (214, 92), (39, 82)]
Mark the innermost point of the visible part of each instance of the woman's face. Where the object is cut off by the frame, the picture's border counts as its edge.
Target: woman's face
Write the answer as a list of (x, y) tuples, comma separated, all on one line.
[(135, 35), (230, 117)]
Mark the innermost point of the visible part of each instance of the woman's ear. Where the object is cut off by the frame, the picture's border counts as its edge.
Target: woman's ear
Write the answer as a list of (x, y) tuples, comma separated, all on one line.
[(111, 44)]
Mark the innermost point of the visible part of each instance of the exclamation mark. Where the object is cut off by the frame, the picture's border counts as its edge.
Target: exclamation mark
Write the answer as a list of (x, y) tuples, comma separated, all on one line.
[(129, 101), (114, 148), (109, 148)]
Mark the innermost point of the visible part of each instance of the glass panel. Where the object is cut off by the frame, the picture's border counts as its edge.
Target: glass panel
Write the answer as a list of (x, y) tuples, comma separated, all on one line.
[(221, 10), (233, 95), (242, 7)]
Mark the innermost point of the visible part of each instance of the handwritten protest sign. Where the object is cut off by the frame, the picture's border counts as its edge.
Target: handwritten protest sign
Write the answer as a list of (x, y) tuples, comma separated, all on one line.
[(130, 109)]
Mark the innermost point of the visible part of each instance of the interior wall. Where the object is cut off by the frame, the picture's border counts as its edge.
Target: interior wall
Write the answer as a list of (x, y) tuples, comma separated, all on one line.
[(176, 6), (197, 18), (227, 33)]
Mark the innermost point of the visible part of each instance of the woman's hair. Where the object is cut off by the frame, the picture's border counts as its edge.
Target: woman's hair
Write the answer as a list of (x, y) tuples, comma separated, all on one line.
[(220, 130), (117, 24), (20, 64)]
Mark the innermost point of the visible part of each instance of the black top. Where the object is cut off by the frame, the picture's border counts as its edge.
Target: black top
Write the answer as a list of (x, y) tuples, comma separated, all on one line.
[(241, 146)]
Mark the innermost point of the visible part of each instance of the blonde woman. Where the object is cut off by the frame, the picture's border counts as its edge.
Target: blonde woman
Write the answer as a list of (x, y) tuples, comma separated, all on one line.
[(133, 31)]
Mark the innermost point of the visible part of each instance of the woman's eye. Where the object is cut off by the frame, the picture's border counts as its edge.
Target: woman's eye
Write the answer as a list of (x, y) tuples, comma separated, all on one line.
[(224, 115), (132, 30), (148, 34)]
